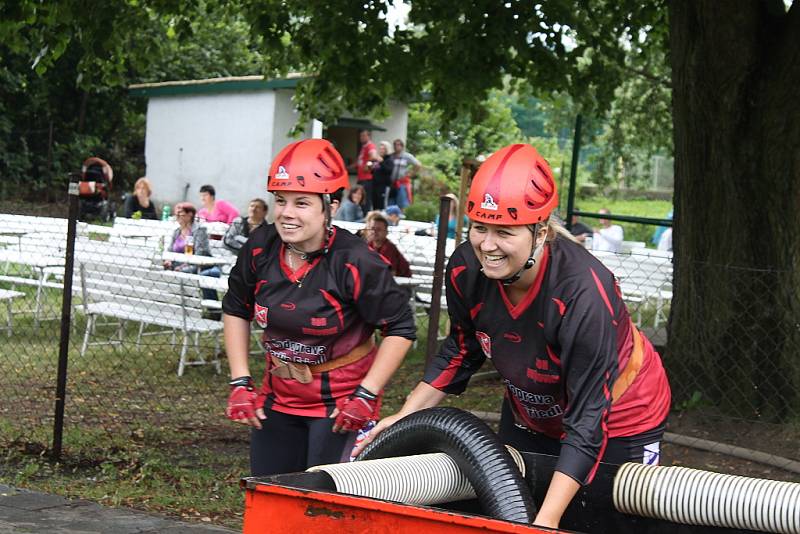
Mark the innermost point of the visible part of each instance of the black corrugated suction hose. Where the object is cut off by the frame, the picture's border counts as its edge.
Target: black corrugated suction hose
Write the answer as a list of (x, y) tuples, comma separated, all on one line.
[(498, 484)]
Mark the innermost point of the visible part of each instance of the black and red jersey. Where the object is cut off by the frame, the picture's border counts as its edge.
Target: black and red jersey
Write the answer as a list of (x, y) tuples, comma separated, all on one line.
[(316, 314), (559, 350)]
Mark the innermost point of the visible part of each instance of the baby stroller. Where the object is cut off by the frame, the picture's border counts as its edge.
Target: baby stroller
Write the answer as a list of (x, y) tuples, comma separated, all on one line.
[(94, 189)]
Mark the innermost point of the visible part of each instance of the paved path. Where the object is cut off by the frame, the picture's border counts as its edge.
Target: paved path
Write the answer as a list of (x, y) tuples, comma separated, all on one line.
[(23, 511)]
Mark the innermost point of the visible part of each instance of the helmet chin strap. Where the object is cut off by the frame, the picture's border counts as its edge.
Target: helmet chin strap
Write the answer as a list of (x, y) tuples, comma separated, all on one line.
[(308, 256), (529, 263)]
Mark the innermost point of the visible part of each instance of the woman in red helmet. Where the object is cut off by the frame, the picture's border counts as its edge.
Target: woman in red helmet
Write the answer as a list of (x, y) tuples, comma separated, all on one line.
[(581, 381), (319, 293)]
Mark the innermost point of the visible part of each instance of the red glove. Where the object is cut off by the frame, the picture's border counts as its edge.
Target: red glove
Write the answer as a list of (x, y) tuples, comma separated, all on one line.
[(242, 400), (356, 410)]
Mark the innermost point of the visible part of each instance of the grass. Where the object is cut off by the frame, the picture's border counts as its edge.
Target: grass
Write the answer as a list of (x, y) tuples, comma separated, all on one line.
[(136, 434), (656, 209)]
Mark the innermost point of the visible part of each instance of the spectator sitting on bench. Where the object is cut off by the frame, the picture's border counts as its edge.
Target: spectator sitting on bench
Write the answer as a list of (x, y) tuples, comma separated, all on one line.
[(607, 237), (376, 230), (196, 237), (241, 227), (215, 210), (139, 201)]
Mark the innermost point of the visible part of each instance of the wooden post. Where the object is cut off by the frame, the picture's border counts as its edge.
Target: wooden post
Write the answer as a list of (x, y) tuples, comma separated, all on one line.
[(467, 167)]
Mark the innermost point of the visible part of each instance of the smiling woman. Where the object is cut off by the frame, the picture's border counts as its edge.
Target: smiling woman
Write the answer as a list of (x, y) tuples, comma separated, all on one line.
[(582, 382), (319, 293)]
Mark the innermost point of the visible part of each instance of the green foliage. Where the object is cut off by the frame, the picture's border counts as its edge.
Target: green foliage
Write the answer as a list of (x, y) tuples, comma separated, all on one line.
[(422, 210), (442, 145), (461, 55), (74, 103)]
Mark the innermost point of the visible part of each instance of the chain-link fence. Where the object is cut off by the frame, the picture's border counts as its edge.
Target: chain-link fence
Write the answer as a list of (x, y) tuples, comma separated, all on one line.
[(145, 356), (144, 342)]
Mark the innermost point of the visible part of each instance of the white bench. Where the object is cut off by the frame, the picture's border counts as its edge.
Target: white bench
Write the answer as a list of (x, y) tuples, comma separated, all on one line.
[(143, 296), (36, 255)]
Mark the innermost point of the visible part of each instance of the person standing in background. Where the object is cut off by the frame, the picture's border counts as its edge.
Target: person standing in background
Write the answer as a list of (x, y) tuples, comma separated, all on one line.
[(367, 157), (214, 210), (406, 166), (382, 176), (139, 202)]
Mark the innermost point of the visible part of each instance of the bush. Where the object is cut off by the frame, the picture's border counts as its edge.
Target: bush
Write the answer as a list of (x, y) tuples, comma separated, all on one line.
[(422, 210)]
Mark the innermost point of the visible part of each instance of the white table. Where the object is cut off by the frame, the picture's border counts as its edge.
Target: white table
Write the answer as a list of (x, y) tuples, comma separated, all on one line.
[(8, 296), (194, 259), (15, 233)]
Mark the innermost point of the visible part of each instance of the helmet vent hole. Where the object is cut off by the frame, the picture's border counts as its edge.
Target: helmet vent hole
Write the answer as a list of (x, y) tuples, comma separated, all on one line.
[(543, 170)]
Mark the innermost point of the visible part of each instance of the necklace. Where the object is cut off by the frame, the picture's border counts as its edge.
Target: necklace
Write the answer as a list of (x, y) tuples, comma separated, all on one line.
[(302, 255), (291, 251)]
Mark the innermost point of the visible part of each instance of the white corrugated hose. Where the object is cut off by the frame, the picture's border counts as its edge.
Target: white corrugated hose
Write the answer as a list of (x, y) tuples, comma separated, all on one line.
[(695, 497), (420, 479)]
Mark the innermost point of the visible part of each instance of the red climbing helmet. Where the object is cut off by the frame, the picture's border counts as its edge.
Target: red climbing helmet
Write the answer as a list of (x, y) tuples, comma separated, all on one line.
[(513, 186), (311, 165)]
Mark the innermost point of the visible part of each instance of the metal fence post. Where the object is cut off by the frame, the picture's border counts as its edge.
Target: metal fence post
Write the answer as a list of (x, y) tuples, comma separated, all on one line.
[(573, 171), (66, 317), (438, 277)]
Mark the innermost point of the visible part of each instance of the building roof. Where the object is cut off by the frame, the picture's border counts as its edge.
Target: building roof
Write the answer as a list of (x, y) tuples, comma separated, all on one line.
[(214, 85)]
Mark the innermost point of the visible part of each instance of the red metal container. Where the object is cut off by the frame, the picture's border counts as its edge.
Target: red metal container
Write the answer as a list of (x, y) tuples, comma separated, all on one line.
[(277, 509)]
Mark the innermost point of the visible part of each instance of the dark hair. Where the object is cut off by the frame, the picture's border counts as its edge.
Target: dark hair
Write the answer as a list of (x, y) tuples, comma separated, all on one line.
[(337, 196), (364, 130), (260, 201), (363, 193), (376, 216), (186, 206), (208, 189)]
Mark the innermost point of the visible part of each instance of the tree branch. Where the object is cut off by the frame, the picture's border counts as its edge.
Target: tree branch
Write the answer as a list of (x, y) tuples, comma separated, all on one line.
[(665, 82)]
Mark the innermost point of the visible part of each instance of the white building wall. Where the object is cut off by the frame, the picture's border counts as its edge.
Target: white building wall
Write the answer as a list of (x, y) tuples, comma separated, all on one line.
[(225, 140), (396, 124), (286, 117)]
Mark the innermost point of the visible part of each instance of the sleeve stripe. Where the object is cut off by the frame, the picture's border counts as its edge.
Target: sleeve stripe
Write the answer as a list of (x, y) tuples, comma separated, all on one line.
[(604, 427), (474, 311), (446, 376), (602, 291), (453, 275), (356, 279)]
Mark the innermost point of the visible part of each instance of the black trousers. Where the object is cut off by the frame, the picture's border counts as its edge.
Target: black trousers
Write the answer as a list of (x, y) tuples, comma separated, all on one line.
[(292, 443), (618, 450)]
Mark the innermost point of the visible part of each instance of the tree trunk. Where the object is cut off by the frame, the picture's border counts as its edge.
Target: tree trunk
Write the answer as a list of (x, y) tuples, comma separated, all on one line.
[(734, 320)]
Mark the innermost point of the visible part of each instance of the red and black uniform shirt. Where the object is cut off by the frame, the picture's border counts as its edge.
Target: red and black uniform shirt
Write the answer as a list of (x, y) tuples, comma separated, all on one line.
[(393, 257), (559, 351), (319, 313)]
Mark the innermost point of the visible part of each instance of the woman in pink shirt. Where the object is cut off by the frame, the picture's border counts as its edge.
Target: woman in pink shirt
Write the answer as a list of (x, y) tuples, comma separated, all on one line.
[(215, 210)]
